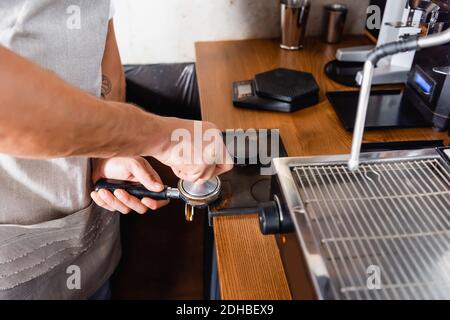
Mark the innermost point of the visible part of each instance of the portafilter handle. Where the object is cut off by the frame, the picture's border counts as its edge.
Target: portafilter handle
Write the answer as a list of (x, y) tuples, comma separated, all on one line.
[(137, 190)]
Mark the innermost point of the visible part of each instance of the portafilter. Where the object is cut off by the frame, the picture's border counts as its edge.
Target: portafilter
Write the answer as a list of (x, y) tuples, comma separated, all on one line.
[(194, 194)]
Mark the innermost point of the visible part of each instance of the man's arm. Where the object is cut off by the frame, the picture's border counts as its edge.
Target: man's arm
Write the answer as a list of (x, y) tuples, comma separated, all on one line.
[(113, 78), (121, 168), (41, 116)]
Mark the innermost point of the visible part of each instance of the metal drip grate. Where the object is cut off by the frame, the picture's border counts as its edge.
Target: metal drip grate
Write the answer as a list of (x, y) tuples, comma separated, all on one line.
[(388, 221)]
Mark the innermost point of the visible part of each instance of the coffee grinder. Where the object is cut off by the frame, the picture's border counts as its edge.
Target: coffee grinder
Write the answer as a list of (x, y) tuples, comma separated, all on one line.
[(428, 86), (402, 19)]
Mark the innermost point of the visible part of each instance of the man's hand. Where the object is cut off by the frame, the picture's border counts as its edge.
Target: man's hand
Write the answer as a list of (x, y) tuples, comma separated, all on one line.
[(135, 169), (192, 157)]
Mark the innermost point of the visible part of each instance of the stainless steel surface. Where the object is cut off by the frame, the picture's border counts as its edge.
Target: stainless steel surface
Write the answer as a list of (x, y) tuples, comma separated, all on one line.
[(294, 18), (198, 194), (435, 40), (354, 54), (173, 193), (447, 152), (442, 70), (361, 114), (200, 190), (386, 74), (393, 214), (335, 16)]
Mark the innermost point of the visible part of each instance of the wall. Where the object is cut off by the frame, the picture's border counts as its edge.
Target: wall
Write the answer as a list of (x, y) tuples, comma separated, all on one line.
[(165, 31)]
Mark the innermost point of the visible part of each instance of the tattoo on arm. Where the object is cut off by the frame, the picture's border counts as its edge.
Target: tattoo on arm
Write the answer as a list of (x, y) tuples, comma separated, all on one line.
[(106, 86)]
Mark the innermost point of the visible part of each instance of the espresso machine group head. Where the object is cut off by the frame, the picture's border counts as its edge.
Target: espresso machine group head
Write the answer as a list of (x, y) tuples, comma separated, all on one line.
[(402, 19)]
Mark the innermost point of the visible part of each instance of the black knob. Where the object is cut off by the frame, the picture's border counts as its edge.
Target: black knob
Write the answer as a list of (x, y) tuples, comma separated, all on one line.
[(269, 218)]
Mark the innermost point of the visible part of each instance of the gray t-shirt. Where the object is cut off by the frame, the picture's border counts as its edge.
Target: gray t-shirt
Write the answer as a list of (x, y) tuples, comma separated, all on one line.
[(47, 220)]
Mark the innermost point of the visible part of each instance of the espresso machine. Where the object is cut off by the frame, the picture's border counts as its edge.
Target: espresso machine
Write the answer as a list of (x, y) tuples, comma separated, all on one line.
[(427, 87), (425, 99), (428, 84), (402, 19)]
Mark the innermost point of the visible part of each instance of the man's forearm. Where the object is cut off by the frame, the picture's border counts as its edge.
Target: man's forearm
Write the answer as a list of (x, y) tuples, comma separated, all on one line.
[(113, 78), (41, 116)]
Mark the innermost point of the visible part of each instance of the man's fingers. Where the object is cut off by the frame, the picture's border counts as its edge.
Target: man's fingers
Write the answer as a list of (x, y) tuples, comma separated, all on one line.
[(202, 174), (113, 202), (147, 176), (180, 174), (100, 202), (123, 202), (154, 204), (189, 176), (213, 165), (157, 181), (131, 202), (208, 174)]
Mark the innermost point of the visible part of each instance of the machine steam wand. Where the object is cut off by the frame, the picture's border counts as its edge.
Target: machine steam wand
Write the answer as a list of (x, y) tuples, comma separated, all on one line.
[(374, 57)]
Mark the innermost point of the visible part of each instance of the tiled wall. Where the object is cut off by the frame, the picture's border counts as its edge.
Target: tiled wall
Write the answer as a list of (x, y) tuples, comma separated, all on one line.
[(165, 31)]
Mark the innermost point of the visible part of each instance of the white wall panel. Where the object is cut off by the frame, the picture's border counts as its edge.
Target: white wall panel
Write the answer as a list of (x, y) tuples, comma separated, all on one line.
[(150, 31)]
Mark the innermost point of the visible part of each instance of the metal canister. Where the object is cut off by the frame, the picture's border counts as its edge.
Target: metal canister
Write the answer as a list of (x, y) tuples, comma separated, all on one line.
[(334, 22), (294, 18)]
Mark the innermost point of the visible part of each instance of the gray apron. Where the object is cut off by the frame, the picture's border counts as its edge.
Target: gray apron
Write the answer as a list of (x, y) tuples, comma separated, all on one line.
[(47, 220)]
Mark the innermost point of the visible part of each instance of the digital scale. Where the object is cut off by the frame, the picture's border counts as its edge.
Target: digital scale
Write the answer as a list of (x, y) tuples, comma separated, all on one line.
[(281, 90)]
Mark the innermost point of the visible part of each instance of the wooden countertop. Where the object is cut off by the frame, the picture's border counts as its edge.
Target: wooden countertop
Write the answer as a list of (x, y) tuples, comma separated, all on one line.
[(249, 263)]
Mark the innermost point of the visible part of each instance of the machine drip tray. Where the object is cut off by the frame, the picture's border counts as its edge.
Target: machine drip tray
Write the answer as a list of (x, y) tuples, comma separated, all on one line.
[(245, 187), (388, 109)]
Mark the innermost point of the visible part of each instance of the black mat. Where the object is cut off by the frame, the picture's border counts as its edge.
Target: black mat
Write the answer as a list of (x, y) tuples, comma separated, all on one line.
[(387, 110)]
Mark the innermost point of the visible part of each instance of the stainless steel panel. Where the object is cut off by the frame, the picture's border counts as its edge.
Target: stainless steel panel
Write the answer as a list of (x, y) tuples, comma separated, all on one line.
[(392, 214)]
